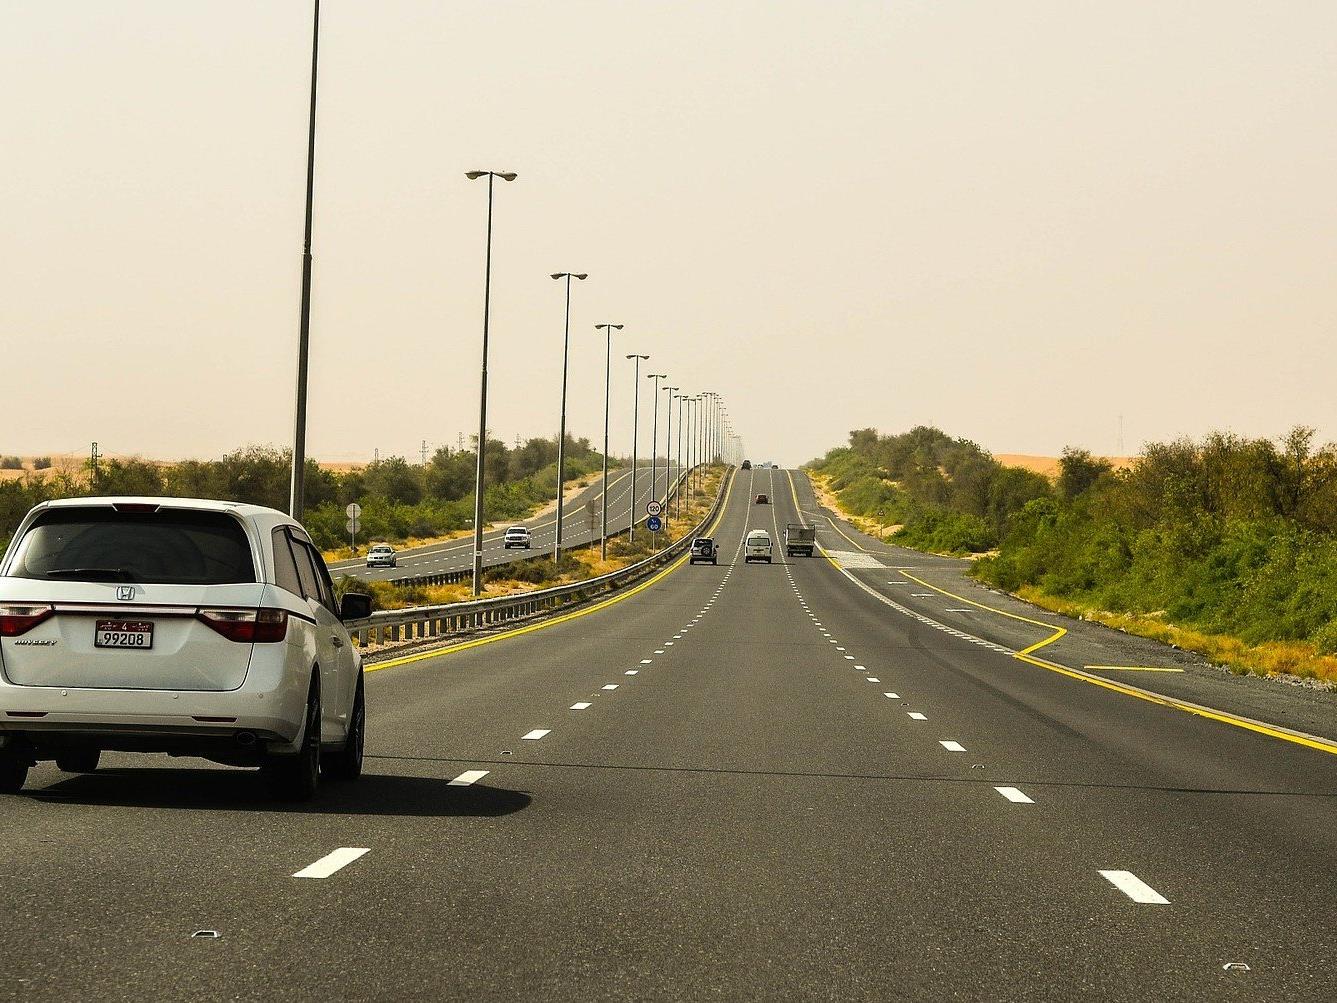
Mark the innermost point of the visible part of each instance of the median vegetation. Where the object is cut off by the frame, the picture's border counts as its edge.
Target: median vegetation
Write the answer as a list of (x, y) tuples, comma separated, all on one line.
[(1226, 546), (400, 501), (540, 571)]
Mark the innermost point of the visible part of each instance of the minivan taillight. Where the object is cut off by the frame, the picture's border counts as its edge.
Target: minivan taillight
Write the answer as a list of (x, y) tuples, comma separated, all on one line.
[(248, 626), (19, 618)]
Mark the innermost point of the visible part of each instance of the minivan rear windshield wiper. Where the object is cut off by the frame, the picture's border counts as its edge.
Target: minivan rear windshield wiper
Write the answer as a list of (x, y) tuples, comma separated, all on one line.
[(92, 574)]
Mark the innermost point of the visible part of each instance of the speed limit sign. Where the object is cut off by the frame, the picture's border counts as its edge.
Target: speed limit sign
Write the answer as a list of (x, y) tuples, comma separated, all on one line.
[(653, 508)]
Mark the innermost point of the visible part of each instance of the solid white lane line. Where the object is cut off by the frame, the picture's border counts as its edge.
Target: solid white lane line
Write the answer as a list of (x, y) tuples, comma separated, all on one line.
[(1134, 887), (581, 705), (468, 777), (893, 696), (332, 862), (536, 734), (950, 610), (1014, 795), (916, 716), (611, 686), (951, 746)]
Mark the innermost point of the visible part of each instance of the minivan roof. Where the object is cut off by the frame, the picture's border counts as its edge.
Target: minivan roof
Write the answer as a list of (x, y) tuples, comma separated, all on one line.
[(199, 504)]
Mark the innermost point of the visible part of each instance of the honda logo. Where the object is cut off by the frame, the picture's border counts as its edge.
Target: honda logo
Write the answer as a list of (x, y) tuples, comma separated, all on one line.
[(125, 592)]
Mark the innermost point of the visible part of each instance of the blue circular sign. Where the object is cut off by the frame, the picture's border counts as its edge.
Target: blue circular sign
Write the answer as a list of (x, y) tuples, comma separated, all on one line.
[(654, 524)]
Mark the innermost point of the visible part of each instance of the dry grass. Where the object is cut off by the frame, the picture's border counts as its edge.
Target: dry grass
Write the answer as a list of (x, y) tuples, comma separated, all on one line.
[(1271, 658), (821, 484)]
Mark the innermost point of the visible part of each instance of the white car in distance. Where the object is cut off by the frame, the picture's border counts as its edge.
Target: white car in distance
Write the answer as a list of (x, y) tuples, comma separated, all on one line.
[(757, 547), (179, 626), (382, 555), (518, 536)]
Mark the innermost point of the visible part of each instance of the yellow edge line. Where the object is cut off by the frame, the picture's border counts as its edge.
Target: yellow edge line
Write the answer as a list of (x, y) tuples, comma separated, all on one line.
[(1130, 668), (1026, 655), (799, 508), (442, 652)]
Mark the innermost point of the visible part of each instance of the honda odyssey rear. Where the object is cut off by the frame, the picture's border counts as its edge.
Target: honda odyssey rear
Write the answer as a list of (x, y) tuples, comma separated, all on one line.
[(174, 625)]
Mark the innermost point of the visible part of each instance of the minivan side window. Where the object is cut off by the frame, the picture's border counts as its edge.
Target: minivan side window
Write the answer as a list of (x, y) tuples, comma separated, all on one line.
[(285, 568), (305, 570), (323, 579)]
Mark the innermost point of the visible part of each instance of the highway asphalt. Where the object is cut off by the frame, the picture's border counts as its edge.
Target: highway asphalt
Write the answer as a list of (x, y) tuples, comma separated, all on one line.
[(739, 782), (576, 530)]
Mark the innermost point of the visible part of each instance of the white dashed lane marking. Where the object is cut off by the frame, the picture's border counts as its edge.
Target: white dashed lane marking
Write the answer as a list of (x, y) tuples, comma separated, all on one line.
[(893, 696), (951, 746), (332, 862), (468, 777), (1014, 795), (536, 734), (581, 705), (1134, 887), (916, 716)]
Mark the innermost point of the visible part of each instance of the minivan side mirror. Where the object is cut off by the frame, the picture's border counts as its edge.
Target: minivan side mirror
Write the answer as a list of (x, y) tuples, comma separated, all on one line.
[(354, 606)]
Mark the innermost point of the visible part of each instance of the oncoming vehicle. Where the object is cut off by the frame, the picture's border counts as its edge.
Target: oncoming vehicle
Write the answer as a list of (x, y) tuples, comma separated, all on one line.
[(518, 536), (382, 556), (763, 500), (747, 464), (757, 547), (180, 626), (704, 549)]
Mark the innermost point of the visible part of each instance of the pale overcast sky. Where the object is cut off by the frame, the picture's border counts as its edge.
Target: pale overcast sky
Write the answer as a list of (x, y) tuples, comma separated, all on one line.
[(1015, 220)]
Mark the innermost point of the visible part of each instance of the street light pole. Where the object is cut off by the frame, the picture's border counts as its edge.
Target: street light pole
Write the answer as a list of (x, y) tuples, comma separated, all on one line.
[(669, 475), (297, 482), (635, 437), (654, 436), (482, 393), (677, 491), (561, 425), (608, 330)]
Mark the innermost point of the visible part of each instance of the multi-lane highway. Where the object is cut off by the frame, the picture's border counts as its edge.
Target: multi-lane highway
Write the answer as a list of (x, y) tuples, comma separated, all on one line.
[(577, 529), (818, 778)]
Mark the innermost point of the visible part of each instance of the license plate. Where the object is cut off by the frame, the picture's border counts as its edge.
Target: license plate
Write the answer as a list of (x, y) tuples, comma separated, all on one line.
[(123, 634)]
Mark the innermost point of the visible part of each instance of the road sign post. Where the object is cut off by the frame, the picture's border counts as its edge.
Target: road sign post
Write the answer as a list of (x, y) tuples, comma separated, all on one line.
[(654, 524), (354, 523)]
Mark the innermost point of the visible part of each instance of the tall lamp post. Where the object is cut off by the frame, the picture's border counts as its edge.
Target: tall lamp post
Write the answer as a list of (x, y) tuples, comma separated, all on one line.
[(635, 437), (482, 393), (297, 482), (561, 425), (608, 330), (670, 484), (654, 435), (677, 492)]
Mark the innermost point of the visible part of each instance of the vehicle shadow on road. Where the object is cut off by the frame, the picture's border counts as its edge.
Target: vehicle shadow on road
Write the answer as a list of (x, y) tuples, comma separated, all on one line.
[(244, 790)]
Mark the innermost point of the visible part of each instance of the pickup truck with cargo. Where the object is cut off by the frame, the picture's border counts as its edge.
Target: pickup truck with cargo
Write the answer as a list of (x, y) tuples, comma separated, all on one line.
[(799, 540)]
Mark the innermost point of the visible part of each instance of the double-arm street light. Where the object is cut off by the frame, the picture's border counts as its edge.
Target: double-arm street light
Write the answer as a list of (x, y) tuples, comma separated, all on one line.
[(482, 393), (677, 493), (654, 435), (635, 436), (297, 483), (608, 330), (561, 425)]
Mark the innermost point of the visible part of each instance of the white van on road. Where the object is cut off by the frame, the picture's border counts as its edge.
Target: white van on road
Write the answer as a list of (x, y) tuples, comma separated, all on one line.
[(757, 547), (184, 626)]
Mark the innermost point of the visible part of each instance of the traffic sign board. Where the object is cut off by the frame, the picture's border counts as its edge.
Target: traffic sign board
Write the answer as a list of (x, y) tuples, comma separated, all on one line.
[(653, 508), (654, 524), (353, 525), (353, 511)]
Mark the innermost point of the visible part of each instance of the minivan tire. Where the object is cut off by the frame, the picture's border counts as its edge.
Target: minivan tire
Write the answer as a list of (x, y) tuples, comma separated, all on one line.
[(79, 760), (13, 771), (296, 777), (346, 763)]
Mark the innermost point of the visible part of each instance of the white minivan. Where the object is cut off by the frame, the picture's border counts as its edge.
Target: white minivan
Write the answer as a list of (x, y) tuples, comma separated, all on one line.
[(757, 547), (179, 626)]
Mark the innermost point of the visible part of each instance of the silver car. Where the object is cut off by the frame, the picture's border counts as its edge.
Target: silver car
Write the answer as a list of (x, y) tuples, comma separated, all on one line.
[(518, 536), (382, 556), (182, 626)]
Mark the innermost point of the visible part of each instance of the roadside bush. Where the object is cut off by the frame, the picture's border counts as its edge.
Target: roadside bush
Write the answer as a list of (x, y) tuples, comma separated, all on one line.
[(10, 463)]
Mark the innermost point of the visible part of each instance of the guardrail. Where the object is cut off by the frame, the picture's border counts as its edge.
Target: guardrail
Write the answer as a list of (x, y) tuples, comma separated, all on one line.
[(466, 574), (426, 622)]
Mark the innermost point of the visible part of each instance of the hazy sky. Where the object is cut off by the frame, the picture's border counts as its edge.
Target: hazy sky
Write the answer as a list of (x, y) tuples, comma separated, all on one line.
[(1015, 220)]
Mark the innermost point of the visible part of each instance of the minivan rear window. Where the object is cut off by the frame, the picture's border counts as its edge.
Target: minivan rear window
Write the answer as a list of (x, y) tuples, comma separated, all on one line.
[(166, 547)]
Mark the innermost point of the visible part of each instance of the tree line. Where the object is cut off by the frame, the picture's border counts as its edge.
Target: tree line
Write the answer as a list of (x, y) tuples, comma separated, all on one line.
[(1226, 534), (398, 499)]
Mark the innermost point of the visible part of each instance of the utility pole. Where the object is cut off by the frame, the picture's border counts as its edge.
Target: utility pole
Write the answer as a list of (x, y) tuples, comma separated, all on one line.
[(459, 442), (94, 474), (423, 452)]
